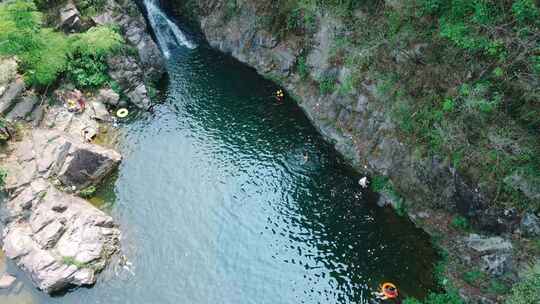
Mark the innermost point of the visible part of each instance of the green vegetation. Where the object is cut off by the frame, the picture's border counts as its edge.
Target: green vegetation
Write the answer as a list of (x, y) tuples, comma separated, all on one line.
[(526, 291), (460, 223), (72, 261), (87, 192), (88, 67), (46, 54), (3, 176), (461, 79), (474, 277), (436, 298), (90, 7), (327, 85)]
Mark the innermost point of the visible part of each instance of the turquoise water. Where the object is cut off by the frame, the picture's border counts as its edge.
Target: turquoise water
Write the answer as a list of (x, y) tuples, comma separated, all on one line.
[(226, 196)]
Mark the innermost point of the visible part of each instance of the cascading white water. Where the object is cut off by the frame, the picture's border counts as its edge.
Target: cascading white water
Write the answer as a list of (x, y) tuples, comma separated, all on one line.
[(167, 32)]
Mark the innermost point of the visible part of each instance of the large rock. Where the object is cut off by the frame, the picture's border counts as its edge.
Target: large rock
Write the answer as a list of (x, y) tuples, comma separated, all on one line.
[(23, 108), (70, 17), (12, 91), (54, 154), (530, 225), (496, 264), (108, 97), (484, 244), (495, 253), (75, 163), (58, 239)]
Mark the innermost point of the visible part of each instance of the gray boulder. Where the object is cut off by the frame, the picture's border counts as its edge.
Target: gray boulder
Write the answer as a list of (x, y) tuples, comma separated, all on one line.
[(127, 73), (12, 91), (496, 264), (100, 111), (59, 240), (23, 108), (70, 17), (8, 71), (530, 225), (484, 244), (108, 97), (75, 163)]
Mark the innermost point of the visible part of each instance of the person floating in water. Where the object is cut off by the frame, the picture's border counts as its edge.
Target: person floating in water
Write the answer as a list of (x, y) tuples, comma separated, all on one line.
[(388, 293), (280, 95)]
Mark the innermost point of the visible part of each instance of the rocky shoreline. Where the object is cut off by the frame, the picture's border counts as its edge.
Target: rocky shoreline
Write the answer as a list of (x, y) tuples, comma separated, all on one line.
[(54, 235), (428, 189)]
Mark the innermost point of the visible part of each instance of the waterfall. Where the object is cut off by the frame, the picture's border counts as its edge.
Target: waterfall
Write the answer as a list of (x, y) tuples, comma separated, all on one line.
[(167, 32)]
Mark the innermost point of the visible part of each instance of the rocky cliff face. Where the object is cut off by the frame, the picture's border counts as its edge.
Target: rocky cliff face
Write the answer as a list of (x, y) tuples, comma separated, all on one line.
[(358, 123), (361, 126)]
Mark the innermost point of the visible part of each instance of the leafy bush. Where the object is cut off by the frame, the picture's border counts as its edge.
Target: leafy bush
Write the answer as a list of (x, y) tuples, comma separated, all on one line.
[(302, 67), (327, 85), (451, 297), (43, 52), (3, 176), (526, 292), (474, 277), (88, 67), (87, 192), (460, 223)]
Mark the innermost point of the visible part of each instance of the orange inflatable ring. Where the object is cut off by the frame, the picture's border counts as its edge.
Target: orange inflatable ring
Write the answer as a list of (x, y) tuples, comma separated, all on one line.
[(389, 290)]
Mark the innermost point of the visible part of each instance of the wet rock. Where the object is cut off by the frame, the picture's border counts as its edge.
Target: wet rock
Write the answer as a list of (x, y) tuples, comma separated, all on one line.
[(484, 244), (11, 93), (6, 281), (496, 264), (61, 247), (530, 225), (70, 18), (108, 97), (23, 108)]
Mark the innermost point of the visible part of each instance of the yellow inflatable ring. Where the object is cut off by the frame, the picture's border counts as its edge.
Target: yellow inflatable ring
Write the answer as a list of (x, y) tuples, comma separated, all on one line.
[(122, 113), (389, 290)]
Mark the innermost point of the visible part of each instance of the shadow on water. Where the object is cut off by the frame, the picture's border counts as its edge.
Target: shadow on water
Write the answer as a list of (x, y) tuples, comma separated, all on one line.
[(226, 196)]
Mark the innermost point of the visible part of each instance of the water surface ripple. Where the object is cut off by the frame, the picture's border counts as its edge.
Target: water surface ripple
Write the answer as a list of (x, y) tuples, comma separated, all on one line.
[(226, 196)]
